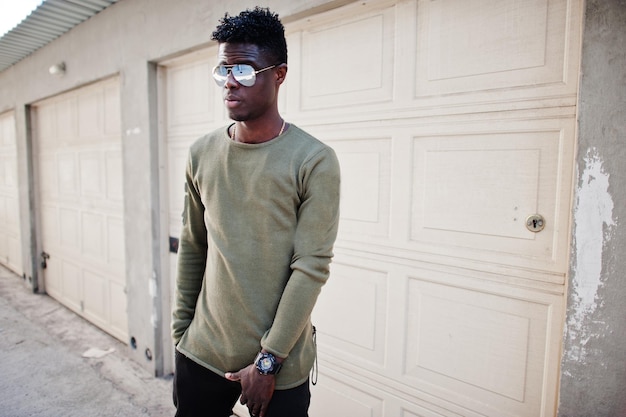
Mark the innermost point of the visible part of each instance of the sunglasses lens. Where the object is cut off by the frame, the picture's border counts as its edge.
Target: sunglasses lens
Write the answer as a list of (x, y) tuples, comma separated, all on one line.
[(243, 74), (220, 74)]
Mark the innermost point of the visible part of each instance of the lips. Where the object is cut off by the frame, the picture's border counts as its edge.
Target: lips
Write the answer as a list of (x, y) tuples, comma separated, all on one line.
[(231, 100)]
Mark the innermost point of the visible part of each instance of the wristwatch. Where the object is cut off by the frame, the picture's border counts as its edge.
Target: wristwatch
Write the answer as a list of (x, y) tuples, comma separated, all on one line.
[(267, 364)]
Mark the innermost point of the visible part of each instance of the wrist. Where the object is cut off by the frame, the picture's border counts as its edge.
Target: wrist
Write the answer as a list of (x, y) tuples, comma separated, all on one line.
[(278, 359)]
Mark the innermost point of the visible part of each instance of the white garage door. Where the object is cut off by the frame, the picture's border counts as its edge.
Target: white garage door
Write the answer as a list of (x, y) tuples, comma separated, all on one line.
[(10, 235), (79, 166), (454, 123)]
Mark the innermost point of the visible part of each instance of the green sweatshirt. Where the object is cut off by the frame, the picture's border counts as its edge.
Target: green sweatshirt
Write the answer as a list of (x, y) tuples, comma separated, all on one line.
[(259, 225)]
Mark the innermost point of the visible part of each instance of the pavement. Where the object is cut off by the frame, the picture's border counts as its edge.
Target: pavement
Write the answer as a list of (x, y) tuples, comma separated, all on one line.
[(43, 370)]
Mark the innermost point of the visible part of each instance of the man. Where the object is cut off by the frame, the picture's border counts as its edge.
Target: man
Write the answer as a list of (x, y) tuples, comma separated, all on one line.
[(260, 220)]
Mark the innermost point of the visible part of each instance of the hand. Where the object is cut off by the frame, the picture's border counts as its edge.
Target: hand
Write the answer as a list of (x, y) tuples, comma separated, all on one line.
[(256, 389)]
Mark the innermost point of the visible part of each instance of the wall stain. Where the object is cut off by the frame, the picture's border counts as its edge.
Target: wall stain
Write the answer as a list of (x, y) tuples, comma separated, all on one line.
[(594, 228)]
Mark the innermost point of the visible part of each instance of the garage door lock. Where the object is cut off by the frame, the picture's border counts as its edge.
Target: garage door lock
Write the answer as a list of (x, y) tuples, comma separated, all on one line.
[(535, 223), (44, 260)]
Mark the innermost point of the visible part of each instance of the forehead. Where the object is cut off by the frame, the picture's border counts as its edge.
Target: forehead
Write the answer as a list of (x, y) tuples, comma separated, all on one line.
[(238, 53)]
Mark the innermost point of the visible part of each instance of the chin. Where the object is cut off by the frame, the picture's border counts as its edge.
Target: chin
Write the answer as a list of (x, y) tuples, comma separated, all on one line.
[(237, 118)]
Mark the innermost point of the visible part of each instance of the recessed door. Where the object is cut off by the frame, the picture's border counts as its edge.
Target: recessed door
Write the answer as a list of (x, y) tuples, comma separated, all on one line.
[(79, 182)]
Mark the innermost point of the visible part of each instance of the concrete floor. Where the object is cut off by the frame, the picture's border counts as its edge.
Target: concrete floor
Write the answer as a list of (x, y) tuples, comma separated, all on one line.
[(43, 372)]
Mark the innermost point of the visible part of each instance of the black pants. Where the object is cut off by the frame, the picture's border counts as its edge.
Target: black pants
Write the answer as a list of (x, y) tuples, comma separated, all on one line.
[(199, 392)]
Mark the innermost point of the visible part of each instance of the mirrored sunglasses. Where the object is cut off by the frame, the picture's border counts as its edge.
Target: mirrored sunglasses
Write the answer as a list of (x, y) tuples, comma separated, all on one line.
[(244, 74)]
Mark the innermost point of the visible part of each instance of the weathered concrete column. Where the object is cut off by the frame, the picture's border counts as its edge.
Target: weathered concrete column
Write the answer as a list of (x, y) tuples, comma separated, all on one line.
[(593, 377)]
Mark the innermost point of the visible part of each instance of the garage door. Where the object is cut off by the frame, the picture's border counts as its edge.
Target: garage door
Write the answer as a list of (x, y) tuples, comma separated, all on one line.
[(79, 170), (10, 235), (454, 123)]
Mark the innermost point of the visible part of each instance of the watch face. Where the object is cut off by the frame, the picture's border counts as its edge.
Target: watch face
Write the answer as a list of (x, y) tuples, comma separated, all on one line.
[(266, 363)]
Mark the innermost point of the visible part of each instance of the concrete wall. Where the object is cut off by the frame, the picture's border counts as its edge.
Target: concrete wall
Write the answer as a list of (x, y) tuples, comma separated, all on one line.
[(593, 377), (126, 39)]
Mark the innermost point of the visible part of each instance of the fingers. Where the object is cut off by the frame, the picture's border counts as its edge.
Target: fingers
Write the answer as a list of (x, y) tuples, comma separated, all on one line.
[(263, 410), (257, 410), (232, 376)]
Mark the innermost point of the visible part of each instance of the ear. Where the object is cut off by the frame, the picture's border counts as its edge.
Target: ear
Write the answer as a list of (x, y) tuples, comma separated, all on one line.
[(281, 73)]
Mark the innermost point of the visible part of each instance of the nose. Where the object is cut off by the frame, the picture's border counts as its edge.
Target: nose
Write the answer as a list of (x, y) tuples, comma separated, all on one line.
[(230, 80)]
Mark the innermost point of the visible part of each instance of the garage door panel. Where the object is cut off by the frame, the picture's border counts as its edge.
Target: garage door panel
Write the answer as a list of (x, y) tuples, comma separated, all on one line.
[(89, 115), (92, 236), (462, 181), (70, 229), (357, 69), (11, 213), (112, 115), (476, 191), (116, 257), (351, 314), (67, 174), (50, 223), (469, 343), (113, 176), (49, 187), (90, 174), (341, 399), (365, 186), (7, 130), (66, 121), (463, 344), (14, 251), (80, 189), (459, 49), (9, 173), (72, 284), (95, 297)]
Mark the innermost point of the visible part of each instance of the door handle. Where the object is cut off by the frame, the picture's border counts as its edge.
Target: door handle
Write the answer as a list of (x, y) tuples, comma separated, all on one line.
[(44, 260)]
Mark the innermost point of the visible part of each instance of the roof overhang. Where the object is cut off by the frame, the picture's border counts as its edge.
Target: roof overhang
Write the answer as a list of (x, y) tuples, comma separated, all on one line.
[(51, 19)]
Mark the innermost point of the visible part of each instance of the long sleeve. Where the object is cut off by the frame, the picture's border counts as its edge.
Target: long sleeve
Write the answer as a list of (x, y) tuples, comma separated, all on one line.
[(318, 219), (192, 253)]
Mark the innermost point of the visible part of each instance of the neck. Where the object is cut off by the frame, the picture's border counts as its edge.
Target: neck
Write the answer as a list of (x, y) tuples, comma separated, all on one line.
[(245, 133)]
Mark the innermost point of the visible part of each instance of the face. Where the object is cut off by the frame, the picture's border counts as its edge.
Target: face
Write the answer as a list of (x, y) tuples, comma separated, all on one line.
[(250, 103)]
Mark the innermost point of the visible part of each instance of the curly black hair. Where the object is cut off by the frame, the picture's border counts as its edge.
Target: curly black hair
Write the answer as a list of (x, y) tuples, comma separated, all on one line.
[(258, 27)]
